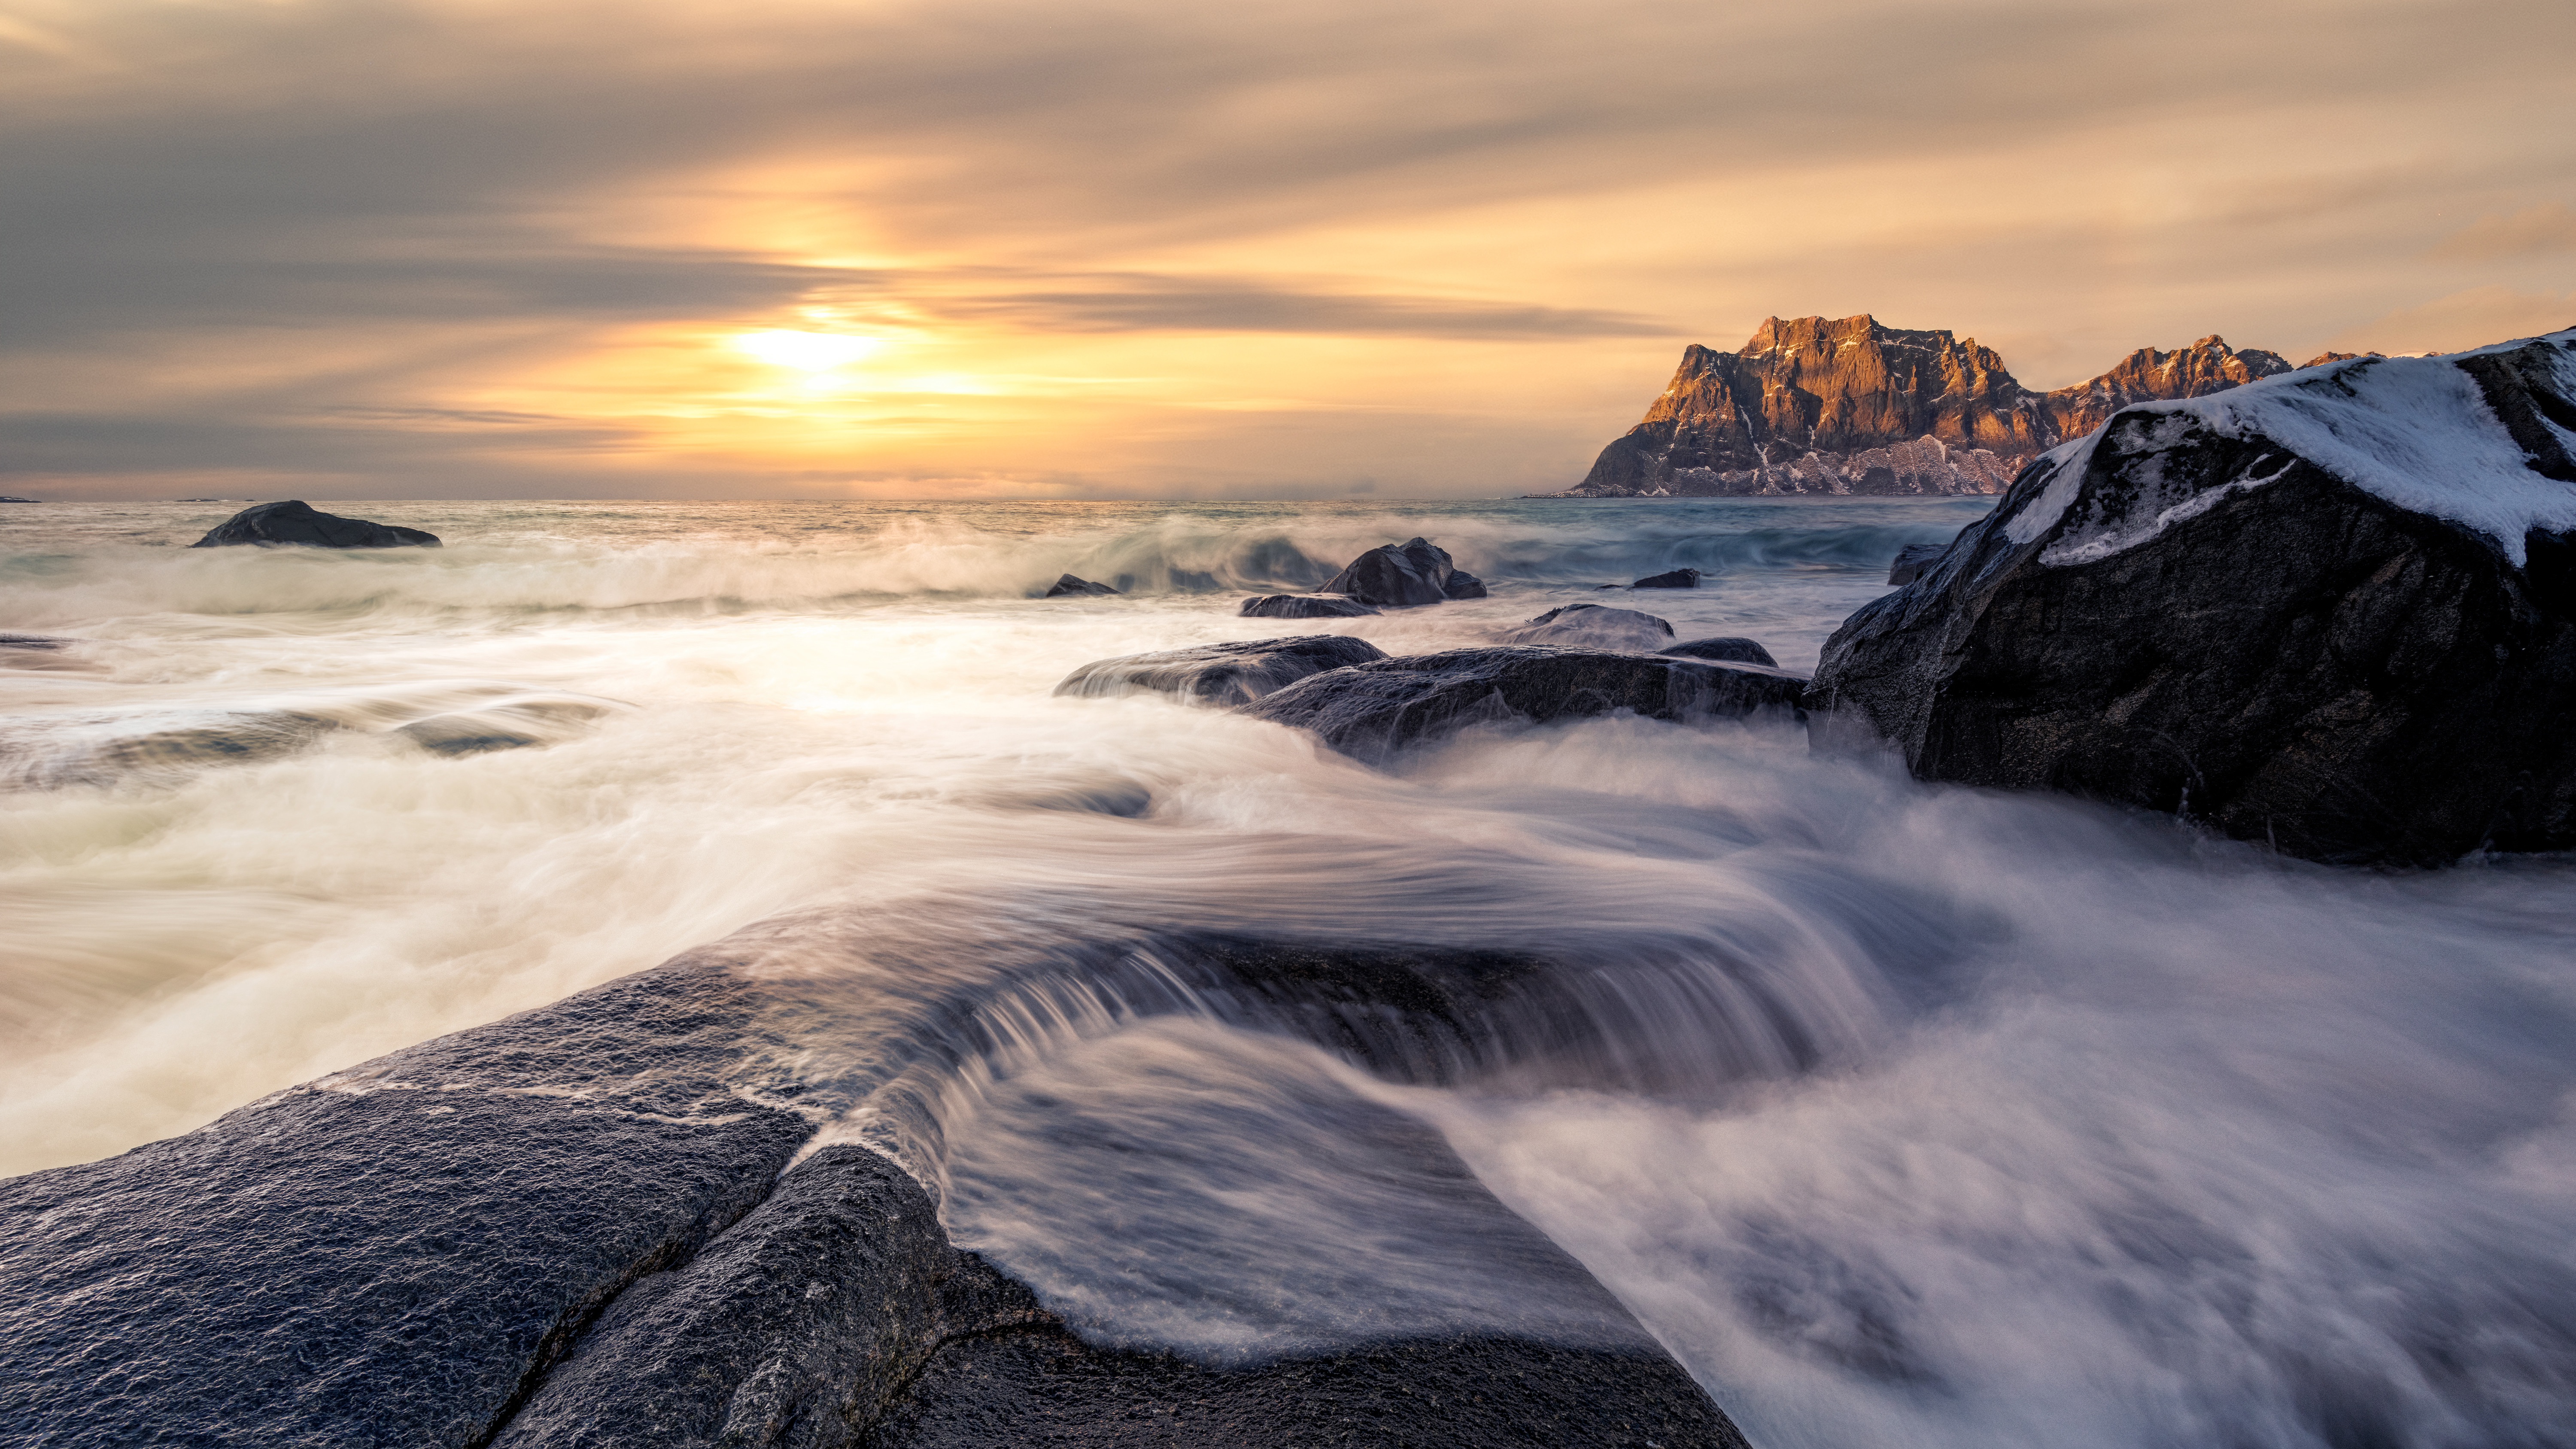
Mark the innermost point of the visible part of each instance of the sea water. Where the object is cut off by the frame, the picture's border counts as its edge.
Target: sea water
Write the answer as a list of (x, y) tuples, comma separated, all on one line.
[(1899, 1114)]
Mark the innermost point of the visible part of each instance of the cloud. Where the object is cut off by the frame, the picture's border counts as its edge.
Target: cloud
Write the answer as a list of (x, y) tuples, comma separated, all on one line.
[(2462, 320), (2534, 232)]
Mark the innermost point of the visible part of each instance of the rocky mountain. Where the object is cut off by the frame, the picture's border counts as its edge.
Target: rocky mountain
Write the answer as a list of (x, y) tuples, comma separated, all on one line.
[(1854, 406)]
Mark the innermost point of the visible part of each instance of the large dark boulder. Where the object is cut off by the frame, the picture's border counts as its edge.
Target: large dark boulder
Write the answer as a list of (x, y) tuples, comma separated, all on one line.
[(1670, 579), (1369, 711), (1727, 648), (2333, 611), (1069, 586), (1232, 673), (1401, 575), (1593, 626), (1302, 606), (296, 522)]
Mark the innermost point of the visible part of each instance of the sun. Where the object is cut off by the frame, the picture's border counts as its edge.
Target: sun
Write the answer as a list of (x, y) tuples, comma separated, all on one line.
[(806, 351)]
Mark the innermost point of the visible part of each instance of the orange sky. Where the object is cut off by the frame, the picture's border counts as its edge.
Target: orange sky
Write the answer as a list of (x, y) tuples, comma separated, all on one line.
[(439, 249)]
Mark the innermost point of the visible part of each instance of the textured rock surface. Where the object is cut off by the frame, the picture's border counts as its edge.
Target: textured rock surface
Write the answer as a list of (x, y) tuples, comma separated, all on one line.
[(1233, 673), (1851, 406), (1594, 626), (1912, 560), (1402, 575), (1068, 586), (296, 522), (2335, 611), (1669, 579), (390, 1256), (1371, 710), (1733, 649), (1302, 606)]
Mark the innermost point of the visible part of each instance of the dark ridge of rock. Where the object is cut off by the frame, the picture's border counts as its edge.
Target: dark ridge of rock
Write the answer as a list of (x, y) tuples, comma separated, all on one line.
[(1851, 406), (1369, 711), (1403, 575), (1726, 649), (1593, 626), (12, 498), (1670, 579), (1465, 1391), (297, 522), (1067, 586), (1912, 560), (394, 1254), (2322, 358), (2188, 613), (1301, 606), (1233, 673), (30, 641)]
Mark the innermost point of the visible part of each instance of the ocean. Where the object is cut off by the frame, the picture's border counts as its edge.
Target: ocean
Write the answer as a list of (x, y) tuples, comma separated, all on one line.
[(1900, 1114)]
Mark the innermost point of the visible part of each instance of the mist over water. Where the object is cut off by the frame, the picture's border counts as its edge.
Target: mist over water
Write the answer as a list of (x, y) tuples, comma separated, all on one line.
[(1898, 1114)]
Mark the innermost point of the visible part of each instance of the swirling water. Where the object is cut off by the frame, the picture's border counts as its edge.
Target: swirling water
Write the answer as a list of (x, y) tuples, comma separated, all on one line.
[(1899, 1114)]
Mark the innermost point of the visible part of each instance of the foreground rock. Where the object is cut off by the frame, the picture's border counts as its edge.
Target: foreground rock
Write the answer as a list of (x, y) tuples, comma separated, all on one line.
[(296, 522), (571, 1228), (1670, 579), (1301, 606), (1912, 560), (1369, 711), (2334, 611), (1594, 626), (1403, 575), (1068, 586), (1235, 673), (1854, 406), (1726, 649)]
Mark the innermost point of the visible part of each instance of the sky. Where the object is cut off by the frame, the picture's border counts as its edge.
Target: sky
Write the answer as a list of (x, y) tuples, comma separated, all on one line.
[(1306, 249)]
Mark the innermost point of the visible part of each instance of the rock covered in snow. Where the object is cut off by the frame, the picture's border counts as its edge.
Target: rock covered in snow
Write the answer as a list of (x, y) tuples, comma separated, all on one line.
[(2333, 610), (1593, 626), (1401, 575), (1302, 606), (1231, 673), (294, 521), (1369, 711)]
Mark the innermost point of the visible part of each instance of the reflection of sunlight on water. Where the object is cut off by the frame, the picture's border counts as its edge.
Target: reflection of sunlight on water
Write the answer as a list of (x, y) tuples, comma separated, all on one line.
[(1938, 1117)]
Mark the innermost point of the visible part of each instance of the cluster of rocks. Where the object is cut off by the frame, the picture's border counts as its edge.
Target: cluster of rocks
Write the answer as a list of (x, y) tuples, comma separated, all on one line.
[(1398, 576), (2333, 612)]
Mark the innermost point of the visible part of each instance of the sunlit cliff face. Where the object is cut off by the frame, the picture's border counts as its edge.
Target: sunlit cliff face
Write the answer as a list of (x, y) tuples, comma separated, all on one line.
[(1003, 249)]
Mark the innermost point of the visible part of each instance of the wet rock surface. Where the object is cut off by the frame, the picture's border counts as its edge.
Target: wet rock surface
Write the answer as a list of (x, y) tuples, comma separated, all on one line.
[(1725, 649), (1369, 711), (1912, 560), (1229, 673), (1302, 606), (1404, 575), (1593, 626), (2191, 614), (1670, 579), (1069, 586), (299, 523)]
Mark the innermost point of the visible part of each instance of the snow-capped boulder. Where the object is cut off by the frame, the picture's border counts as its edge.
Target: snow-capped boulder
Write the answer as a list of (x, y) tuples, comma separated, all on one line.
[(2333, 610)]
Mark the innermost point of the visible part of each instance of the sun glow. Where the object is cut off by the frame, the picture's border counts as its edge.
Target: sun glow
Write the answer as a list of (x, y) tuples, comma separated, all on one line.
[(807, 351)]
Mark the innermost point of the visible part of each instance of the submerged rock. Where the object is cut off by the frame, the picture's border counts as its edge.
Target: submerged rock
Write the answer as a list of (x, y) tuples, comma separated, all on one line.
[(1402, 575), (1671, 579), (1302, 606), (1593, 626), (1234, 673), (2333, 611), (1912, 560), (1729, 649), (1067, 586), (1371, 710), (296, 522)]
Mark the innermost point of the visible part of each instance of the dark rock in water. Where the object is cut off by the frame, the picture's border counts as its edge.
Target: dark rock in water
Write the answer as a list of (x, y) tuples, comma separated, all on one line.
[(1671, 579), (393, 1255), (1402, 575), (1234, 673), (297, 522), (1067, 585), (1371, 710), (1728, 649), (30, 641), (1593, 626), (1912, 560), (1301, 606), (2333, 611), (11, 498), (57, 753)]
